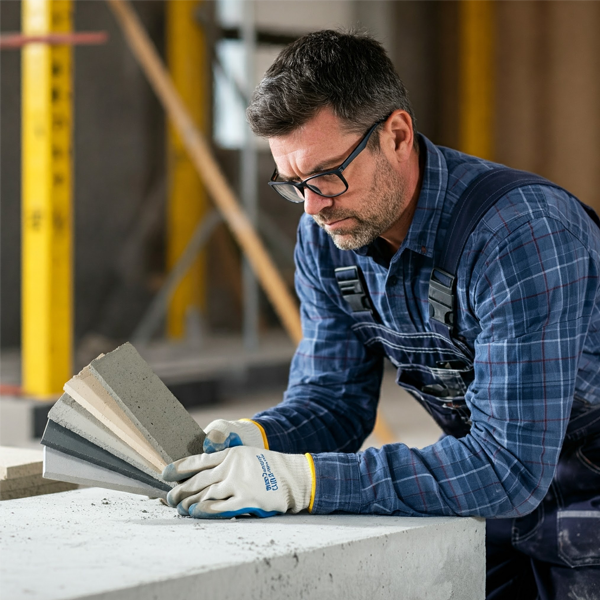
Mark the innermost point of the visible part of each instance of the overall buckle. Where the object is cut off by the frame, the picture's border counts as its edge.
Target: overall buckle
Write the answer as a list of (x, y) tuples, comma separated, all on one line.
[(353, 288), (441, 297)]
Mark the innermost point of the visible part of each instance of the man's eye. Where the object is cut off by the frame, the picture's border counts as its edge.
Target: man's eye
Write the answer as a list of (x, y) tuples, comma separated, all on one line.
[(329, 178)]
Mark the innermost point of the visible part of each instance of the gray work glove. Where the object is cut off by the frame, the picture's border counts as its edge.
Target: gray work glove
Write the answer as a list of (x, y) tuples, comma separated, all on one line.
[(240, 481)]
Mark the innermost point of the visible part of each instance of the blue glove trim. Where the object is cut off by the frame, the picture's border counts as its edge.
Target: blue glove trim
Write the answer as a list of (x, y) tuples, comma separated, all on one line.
[(170, 474), (233, 439), (256, 512), (181, 510)]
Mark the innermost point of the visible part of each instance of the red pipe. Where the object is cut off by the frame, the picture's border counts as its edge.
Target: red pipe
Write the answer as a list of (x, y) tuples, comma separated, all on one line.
[(14, 41), (10, 390)]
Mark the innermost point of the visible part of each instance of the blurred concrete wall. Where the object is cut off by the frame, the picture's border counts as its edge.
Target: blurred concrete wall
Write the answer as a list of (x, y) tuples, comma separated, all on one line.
[(548, 92)]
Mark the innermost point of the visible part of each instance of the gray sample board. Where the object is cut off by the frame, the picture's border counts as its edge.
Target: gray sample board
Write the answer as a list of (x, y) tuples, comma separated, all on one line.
[(107, 545), (62, 439), (148, 403)]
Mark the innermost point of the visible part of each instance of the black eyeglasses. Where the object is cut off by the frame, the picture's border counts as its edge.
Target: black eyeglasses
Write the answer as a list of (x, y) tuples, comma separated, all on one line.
[(328, 184)]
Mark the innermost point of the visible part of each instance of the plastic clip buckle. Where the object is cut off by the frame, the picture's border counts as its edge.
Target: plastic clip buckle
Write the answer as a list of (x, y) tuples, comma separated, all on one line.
[(441, 297), (353, 289)]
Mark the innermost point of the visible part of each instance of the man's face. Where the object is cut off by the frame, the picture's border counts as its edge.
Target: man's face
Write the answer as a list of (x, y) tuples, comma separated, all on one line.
[(376, 195)]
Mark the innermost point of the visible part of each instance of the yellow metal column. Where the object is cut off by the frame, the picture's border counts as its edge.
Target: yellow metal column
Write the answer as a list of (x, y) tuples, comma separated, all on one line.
[(188, 63), (476, 110), (47, 313)]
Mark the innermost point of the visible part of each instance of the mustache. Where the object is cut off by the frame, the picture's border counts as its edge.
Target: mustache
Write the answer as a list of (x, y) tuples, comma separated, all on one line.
[(329, 215)]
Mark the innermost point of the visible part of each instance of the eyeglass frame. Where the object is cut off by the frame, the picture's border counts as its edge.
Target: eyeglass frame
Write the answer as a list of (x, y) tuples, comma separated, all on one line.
[(301, 185)]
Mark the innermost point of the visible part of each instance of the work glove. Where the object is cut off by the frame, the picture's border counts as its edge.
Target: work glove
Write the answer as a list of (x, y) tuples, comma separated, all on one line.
[(221, 434), (239, 481)]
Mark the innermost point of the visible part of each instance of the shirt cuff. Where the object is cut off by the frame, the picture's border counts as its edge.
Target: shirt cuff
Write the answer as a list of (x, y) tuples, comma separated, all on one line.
[(338, 486), (274, 435)]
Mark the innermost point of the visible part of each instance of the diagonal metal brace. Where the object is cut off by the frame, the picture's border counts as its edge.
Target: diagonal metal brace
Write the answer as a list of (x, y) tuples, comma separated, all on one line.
[(155, 313)]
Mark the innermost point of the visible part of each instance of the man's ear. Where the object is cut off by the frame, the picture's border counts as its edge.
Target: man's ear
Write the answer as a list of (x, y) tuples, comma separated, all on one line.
[(400, 134)]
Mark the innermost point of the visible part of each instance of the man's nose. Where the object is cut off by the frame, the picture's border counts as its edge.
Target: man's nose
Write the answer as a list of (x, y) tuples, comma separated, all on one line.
[(314, 204)]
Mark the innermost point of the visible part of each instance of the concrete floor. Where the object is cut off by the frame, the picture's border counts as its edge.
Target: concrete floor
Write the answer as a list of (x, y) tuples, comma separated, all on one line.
[(405, 417)]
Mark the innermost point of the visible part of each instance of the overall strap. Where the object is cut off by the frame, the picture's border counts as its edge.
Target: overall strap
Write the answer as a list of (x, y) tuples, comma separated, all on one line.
[(479, 196)]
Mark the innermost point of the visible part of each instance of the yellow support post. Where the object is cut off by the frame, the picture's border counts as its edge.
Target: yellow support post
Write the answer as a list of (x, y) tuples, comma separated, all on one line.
[(47, 313), (476, 110), (187, 59)]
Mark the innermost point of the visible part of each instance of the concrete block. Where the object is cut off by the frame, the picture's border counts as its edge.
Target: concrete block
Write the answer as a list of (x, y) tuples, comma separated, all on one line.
[(48, 487), (63, 467), (19, 462), (21, 482), (148, 403), (68, 413), (90, 393), (70, 443), (74, 540)]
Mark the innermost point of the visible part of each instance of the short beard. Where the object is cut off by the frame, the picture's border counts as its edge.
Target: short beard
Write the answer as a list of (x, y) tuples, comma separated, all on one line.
[(383, 208)]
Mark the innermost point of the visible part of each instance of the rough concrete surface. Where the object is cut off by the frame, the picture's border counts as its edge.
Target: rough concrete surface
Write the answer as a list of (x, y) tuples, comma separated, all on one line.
[(148, 403), (62, 467), (68, 413), (107, 545), (19, 462), (63, 440), (90, 393)]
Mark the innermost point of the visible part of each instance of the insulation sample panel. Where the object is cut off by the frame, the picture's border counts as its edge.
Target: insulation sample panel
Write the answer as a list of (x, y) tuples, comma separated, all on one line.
[(70, 414), (60, 438), (90, 393), (63, 467), (148, 403)]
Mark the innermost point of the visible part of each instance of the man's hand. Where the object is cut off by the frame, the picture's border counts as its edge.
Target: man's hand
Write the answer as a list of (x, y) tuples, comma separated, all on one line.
[(222, 434), (240, 481)]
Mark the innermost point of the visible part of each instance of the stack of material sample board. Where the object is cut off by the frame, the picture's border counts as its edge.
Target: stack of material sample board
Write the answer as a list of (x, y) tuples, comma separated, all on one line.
[(117, 426), (21, 475)]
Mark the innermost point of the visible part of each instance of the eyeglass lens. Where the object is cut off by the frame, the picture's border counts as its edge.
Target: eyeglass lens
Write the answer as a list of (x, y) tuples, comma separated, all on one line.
[(328, 184)]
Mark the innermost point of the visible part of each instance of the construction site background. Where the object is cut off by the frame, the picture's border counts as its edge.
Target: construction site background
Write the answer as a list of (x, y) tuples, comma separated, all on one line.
[(547, 94)]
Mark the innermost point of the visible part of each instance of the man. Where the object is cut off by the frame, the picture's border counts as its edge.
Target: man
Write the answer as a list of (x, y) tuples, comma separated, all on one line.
[(517, 382)]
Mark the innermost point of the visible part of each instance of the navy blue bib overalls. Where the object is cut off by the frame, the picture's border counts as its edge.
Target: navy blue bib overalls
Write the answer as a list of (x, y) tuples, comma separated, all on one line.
[(528, 557)]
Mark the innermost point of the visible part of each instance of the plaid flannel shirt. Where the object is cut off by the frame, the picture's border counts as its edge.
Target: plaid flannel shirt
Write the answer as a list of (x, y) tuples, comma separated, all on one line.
[(528, 285)]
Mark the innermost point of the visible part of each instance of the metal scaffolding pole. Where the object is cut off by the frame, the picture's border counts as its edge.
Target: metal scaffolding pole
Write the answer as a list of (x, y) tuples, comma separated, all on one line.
[(189, 66), (249, 172), (47, 298)]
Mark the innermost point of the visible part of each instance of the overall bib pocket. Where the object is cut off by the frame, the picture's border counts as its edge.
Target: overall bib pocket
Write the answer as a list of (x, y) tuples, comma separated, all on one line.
[(578, 516), (434, 371)]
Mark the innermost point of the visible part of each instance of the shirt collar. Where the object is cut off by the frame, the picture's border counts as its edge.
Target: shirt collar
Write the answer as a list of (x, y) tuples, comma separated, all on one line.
[(423, 229)]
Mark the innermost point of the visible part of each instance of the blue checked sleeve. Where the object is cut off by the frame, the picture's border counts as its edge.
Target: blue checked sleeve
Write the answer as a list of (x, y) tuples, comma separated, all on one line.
[(333, 391), (533, 294)]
